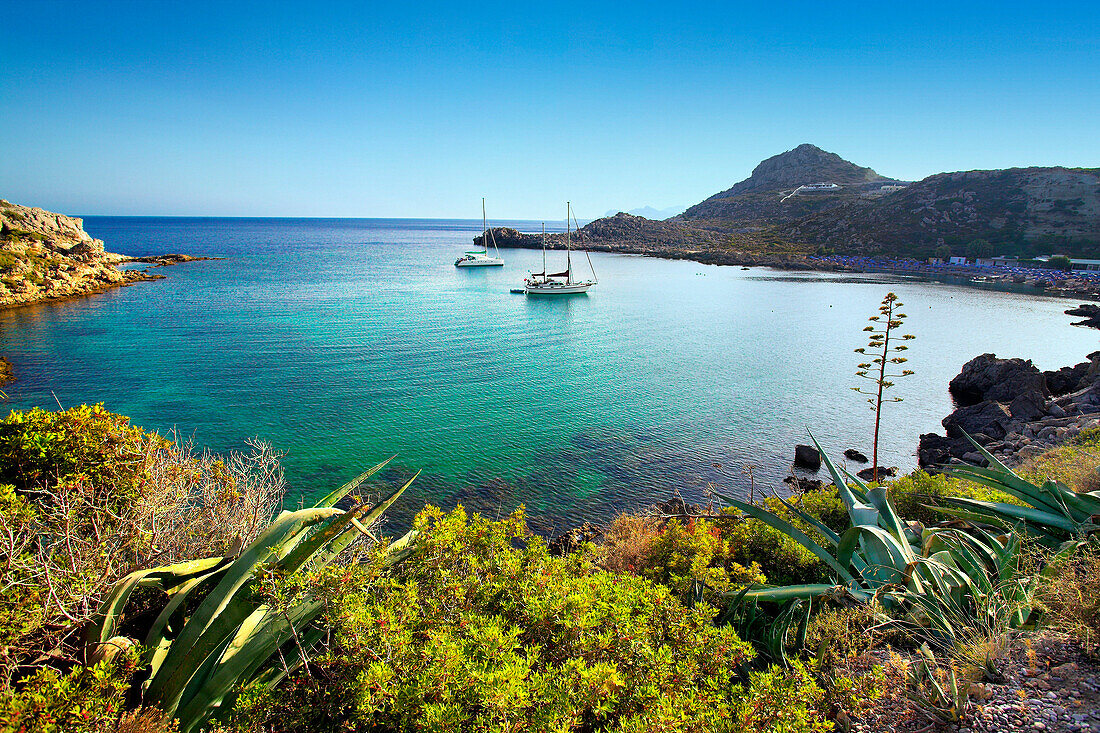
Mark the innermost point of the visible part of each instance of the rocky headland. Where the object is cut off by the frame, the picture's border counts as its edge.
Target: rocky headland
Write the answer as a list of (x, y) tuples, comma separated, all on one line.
[(1014, 410), (49, 256), (811, 201)]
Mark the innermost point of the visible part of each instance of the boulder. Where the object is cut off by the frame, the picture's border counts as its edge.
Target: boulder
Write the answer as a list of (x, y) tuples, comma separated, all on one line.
[(986, 377), (933, 450), (868, 474), (853, 455), (806, 456), (676, 506), (572, 540), (802, 484), (1027, 406), (989, 417)]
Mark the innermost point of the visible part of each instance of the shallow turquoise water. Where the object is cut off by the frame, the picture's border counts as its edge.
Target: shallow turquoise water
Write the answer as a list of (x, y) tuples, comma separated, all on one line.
[(343, 341)]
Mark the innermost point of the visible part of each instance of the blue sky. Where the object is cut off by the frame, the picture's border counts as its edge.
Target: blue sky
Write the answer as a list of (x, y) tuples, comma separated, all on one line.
[(408, 110)]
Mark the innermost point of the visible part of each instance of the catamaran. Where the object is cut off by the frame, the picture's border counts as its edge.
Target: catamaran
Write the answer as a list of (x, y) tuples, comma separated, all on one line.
[(543, 283), (481, 258)]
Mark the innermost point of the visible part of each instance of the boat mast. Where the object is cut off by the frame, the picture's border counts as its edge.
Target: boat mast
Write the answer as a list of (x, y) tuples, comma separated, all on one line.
[(568, 261), (544, 250), (484, 228)]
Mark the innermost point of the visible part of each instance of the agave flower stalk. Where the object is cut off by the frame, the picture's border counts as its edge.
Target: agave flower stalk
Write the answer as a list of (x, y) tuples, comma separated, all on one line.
[(882, 326)]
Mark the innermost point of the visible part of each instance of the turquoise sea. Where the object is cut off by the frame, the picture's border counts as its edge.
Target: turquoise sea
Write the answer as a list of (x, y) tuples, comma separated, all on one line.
[(344, 341)]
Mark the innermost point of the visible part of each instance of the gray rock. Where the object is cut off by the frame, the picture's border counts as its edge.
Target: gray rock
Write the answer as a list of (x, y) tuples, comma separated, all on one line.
[(853, 455), (1027, 406), (1056, 410)]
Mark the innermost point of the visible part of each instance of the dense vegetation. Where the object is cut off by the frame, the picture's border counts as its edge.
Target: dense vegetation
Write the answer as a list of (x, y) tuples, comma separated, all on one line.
[(115, 540)]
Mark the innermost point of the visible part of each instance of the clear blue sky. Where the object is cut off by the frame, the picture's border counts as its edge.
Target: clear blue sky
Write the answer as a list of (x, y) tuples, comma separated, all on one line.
[(415, 109)]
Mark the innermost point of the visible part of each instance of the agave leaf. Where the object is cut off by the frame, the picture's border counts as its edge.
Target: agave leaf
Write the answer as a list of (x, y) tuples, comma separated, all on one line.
[(223, 609), (785, 593), (1013, 511), (791, 531), (861, 513), (330, 499), (816, 523), (105, 623)]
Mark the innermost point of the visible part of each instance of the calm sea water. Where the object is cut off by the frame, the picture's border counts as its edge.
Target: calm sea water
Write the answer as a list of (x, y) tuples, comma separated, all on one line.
[(345, 341)]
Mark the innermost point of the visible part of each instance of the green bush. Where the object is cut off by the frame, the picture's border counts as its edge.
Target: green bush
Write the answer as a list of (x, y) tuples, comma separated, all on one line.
[(914, 494), (484, 630), (80, 701), (682, 554)]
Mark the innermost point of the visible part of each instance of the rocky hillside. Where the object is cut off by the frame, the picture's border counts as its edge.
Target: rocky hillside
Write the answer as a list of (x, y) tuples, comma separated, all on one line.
[(45, 256), (774, 193), (1021, 211)]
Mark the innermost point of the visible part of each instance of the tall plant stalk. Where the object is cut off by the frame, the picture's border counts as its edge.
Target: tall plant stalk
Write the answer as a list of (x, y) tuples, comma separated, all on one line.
[(882, 326)]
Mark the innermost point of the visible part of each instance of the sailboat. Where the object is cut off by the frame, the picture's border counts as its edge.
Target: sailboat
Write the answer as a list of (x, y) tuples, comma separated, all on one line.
[(481, 258), (544, 283)]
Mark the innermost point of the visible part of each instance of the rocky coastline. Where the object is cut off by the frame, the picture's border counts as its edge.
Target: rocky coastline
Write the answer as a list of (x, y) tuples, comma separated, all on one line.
[(45, 256), (7, 374), (1014, 410)]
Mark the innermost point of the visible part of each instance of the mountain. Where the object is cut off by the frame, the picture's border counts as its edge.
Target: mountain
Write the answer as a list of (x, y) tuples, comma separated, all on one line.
[(1020, 211), (650, 213), (774, 192)]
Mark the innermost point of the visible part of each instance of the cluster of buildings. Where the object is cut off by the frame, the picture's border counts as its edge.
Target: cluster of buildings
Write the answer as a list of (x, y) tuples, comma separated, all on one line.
[(1006, 261)]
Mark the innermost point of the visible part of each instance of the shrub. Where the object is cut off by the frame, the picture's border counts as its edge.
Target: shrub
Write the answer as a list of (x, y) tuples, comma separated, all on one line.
[(914, 495), (85, 498), (84, 700), (483, 630), (1075, 463)]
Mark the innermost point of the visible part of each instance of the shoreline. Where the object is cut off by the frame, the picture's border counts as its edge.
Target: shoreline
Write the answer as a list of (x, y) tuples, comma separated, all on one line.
[(998, 280)]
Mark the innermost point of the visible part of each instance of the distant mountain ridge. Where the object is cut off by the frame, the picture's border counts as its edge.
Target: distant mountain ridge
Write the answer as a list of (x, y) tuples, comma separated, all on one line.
[(649, 212), (1020, 211)]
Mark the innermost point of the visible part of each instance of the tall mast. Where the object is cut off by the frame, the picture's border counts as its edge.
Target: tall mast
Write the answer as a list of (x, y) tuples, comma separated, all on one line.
[(568, 261), (544, 250), (484, 227)]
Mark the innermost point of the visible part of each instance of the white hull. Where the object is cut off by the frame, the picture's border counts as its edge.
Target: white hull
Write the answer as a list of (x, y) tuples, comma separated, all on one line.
[(479, 262), (557, 288)]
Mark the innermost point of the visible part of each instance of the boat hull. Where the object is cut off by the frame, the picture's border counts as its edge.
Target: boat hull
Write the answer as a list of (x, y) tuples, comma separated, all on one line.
[(558, 289), (487, 262)]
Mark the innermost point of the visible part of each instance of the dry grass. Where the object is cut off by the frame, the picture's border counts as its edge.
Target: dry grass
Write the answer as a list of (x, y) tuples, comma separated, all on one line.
[(1075, 464), (628, 543), (1070, 599)]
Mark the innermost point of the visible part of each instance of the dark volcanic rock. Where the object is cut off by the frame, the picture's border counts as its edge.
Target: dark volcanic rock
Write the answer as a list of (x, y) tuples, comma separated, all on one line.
[(802, 484), (986, 377), (868, 474), (853, 455), (1090, 311), (676, 507), (572, 540), (1027, 407), (806, 456), (989, 417), (933, 450)]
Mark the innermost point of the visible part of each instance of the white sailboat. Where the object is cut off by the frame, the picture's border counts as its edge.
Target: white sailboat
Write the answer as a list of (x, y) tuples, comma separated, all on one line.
[(559, 283), (481, 258)]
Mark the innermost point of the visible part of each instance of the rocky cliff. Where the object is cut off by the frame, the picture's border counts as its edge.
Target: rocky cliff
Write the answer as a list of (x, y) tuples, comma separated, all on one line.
[(45, 256)]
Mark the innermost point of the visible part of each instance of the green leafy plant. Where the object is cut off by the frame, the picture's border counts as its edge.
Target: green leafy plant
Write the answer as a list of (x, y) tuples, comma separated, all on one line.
[(940, 578), (1052, 515), (882, 326), (216, 634)]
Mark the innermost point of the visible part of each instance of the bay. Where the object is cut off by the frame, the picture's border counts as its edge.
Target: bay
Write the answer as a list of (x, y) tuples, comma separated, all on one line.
[(344, 341)]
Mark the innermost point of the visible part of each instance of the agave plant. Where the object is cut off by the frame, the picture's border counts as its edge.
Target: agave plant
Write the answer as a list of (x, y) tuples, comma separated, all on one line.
[(1054, 514), (216, 635), (941, 577)]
